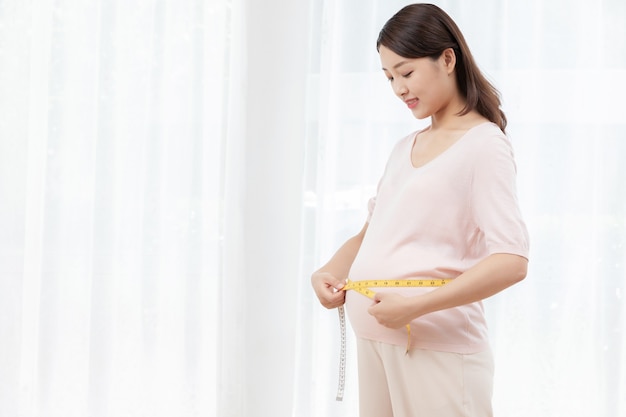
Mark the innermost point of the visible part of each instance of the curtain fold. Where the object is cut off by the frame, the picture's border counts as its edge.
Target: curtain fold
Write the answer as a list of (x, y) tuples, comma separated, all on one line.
[(558, 336), (112, 147), (171, 172)]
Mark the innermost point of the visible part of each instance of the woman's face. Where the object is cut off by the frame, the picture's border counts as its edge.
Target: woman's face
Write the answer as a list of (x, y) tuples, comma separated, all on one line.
[(427, 86)]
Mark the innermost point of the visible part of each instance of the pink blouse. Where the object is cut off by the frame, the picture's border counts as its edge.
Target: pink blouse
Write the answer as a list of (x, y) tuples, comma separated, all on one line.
[(437, 221)]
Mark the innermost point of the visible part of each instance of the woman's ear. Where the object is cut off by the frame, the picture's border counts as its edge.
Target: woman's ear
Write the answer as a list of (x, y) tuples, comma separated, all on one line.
[(449, 60)]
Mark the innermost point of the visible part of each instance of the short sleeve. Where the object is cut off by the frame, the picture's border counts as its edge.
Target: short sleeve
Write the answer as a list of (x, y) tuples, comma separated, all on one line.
[(494, 204)]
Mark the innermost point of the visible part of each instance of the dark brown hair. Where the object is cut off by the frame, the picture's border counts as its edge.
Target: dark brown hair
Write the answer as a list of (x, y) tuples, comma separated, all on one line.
[(424, 30)]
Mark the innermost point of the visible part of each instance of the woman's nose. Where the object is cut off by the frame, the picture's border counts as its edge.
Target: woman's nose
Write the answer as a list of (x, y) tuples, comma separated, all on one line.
[(400, 89)]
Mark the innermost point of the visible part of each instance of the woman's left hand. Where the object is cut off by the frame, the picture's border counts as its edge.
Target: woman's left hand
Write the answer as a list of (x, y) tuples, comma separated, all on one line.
[(391, 310)]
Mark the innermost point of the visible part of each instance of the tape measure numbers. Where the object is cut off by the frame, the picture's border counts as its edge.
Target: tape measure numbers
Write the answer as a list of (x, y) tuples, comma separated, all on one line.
[(364, 288)]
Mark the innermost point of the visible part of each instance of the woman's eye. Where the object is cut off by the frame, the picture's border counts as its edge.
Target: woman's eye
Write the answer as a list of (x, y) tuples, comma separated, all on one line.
[(408, 74)]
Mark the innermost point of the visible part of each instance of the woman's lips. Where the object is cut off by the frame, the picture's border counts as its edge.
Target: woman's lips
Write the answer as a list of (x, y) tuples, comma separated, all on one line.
[(411, 103)]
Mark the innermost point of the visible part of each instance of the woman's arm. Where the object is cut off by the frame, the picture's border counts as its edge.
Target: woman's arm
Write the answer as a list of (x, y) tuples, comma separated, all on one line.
[(490, 276), (330, 279)]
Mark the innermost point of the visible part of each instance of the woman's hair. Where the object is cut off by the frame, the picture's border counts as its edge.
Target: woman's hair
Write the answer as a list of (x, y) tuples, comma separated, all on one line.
[(424, 30)]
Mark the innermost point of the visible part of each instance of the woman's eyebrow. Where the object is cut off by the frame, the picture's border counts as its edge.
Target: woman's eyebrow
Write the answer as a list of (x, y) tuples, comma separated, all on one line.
[(399, 64)]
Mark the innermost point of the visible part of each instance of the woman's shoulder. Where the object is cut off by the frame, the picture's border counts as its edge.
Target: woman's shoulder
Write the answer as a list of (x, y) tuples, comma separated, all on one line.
[(486, 126), (486, 133), (484, 144)]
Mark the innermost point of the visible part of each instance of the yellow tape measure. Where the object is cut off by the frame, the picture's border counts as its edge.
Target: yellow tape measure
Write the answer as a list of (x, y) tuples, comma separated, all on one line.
[(364, 288)]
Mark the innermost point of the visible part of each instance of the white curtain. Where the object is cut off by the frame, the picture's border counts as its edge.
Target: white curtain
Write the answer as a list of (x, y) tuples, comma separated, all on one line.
[(172, 171), (559, 337), (151, 156), (114, 118)]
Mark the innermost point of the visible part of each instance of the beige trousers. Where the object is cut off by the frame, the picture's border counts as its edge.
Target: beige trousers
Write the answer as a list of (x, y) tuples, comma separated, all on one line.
[(423, 383)]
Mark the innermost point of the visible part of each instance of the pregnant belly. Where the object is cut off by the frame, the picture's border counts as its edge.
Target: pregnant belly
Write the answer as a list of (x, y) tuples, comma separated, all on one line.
[(460, 329)]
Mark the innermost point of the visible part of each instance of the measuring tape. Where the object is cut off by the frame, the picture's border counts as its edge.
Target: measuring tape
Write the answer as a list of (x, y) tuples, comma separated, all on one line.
[(363, 287)]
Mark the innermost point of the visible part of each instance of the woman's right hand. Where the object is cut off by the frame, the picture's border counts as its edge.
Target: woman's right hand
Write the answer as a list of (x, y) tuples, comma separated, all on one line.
[(328, 289)]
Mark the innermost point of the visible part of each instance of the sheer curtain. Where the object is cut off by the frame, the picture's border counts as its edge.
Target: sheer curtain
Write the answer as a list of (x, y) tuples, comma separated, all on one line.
[(151, 158), (114, 117), (559, 336), (172, 171)]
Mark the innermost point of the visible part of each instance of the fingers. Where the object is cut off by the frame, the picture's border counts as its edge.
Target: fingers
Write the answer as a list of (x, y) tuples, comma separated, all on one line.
[(386, 310), (325, 279), (337, 299), (372, 309), (328, 289), (336, 283), (331, 298)]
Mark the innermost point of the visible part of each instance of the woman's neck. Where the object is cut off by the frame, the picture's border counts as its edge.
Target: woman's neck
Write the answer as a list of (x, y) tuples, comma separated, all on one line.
[(451, 120)]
